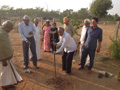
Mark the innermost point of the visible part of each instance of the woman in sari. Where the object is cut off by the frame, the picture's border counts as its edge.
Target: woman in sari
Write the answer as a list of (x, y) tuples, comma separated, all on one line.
[(46, 34)]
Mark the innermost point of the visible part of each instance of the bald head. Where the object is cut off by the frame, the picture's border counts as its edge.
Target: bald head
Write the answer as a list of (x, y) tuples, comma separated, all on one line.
[(65, 20), (7, 26), (25, 17), (36, 21), (26, 20)]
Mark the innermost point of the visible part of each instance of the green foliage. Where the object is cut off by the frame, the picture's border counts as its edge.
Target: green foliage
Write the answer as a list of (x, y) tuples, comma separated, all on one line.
[(99, 7), (114, 48), (74, 21)]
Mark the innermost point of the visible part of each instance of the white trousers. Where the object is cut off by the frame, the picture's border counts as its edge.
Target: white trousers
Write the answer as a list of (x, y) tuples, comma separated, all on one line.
[(37, 42), (9, 75)]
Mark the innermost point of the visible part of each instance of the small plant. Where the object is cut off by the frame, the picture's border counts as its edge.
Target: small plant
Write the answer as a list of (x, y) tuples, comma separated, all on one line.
[(114, 48)]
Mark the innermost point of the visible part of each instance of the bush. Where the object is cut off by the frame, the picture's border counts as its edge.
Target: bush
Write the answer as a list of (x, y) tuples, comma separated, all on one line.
[(114, 49)]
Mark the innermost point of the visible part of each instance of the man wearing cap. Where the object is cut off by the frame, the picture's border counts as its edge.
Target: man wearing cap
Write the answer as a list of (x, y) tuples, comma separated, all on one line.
[(67, 26), (27, 31), (9, 75)]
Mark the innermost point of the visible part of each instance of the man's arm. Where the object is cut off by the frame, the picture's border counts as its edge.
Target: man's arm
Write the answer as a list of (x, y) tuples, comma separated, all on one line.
[(99, 41), (60, 42), (72, 30), (21, 33), (99, 46), (34, 31), (64, 43)]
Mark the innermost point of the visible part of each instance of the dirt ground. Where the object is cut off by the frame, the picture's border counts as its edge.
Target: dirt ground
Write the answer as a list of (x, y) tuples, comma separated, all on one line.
[(44, 77)]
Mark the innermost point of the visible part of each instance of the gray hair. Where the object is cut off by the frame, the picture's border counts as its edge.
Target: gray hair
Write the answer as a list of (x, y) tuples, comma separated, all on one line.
[(26, 17), (36, 19), (88, 20), (7, 23), (60, 28)]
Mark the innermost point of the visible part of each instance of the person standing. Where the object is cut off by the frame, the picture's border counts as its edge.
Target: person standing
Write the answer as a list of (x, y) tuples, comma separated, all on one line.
[(93, 34), (9, 75), (46, 34), (68, 27), (27, 31), (37, 39), (83, 32), (68, 44), (54, 36)]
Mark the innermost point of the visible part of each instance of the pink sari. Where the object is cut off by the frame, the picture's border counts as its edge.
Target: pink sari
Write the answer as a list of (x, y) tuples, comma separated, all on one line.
[(47, 38)]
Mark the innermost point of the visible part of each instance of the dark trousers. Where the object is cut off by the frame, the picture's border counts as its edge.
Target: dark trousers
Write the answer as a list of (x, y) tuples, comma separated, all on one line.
[(53, 47), (32, 47), (86, 52), (67, 61)]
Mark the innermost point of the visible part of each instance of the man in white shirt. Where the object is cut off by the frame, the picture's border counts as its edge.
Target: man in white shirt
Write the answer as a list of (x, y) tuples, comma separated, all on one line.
[(83, 32), (27, 31), (37, 39), (68, 44)]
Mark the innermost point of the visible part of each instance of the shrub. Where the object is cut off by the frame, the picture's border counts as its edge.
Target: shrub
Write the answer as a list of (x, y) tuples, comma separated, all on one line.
[(114, 49)]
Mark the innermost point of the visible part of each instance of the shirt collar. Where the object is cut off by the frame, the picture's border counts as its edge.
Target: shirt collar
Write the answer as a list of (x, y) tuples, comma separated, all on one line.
[(24, 23), (94, 28)]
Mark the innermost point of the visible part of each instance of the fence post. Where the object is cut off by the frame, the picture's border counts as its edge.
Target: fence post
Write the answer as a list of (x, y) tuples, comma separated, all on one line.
[(53, 19), (116, 30)]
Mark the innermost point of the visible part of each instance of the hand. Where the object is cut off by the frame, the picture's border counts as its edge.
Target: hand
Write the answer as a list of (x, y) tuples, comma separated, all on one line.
[(98, 50), (54, 43), (54, 32), (30, 33), (4, 63), (54, 52), (82, 45), (27, 41)]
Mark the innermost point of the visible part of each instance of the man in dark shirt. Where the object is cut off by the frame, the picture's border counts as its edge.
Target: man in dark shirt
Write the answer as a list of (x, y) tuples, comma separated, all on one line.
[(93, 34)]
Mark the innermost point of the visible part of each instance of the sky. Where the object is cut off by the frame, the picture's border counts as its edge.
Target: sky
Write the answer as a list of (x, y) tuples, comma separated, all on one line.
[(58, 4)]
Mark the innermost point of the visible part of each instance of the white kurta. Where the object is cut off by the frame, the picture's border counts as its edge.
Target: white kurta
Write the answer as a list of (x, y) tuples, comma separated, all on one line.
[(83, 33), (37, 42), (9, 75)]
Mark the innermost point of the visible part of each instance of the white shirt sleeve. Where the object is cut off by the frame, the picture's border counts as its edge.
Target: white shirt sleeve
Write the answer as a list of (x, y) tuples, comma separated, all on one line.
[(64, 44), (21, 33), (34, 30), (60, 42)]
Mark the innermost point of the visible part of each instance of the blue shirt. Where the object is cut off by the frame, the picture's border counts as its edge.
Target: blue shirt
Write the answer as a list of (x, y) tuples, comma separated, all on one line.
[(92, 36), (24, 30)]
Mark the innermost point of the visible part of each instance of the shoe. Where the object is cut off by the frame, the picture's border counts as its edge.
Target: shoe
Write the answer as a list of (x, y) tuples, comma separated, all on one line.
[(80, 68), (89, 72), (100, 75), (36, 67), (25, 67), (106, 74), (86, 66)]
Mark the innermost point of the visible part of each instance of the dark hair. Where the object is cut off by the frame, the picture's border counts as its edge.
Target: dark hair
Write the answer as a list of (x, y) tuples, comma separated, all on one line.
[(95, 18), (54, 23)]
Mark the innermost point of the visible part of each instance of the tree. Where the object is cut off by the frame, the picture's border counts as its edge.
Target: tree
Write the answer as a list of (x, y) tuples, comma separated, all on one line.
[(99, 8)]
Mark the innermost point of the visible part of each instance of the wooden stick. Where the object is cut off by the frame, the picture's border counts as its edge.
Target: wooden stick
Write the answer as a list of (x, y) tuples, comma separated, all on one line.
[(54, 57)]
